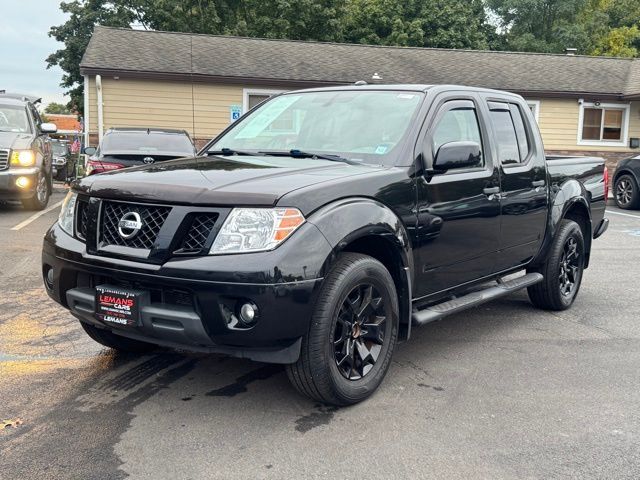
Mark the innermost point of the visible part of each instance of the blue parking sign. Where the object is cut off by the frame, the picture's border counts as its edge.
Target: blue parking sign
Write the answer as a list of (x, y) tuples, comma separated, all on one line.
[(235, 111)]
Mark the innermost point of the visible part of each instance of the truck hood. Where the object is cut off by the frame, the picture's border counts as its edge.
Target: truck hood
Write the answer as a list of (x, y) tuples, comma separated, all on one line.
[(15, 141), (217, 180)]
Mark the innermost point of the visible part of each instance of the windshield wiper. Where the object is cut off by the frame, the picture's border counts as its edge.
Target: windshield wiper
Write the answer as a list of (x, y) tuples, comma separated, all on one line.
[(229, 151), (294, 153)]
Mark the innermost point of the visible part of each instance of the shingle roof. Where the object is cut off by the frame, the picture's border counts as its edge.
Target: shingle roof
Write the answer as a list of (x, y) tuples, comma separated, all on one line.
[(296, 62)]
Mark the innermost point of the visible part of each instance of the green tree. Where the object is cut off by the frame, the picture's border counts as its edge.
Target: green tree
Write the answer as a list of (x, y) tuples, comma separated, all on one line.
[(415, 23), (75, 34), (57, 108)]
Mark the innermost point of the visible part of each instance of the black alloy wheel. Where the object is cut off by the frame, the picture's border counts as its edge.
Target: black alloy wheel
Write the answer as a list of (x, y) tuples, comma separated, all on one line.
[(562, 269), (359, 332), (352, 333), (570, 267), (625, 192)]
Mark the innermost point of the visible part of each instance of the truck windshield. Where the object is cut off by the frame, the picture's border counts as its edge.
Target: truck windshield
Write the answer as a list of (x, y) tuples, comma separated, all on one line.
[(14, 119), (358, 125)]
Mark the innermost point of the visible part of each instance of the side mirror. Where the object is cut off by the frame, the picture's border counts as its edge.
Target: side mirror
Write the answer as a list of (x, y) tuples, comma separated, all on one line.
[(89, 150), (457, 155), (48, 128)]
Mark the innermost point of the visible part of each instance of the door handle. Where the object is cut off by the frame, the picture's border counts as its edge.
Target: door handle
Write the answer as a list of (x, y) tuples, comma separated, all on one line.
[(491, 190), (538, 183)]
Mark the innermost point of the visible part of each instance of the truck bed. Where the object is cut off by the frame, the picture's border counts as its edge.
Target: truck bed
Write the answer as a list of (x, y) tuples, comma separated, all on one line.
[(589, 171)]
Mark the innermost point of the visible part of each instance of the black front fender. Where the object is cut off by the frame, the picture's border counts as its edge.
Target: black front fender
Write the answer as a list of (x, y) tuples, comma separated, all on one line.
[(345, 222)]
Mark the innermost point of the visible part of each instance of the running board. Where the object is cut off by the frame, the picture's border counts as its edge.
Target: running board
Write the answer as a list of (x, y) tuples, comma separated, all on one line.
[(441, 310)]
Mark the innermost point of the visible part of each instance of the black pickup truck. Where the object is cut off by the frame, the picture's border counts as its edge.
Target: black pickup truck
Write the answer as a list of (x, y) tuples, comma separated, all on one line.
[(318, 229)]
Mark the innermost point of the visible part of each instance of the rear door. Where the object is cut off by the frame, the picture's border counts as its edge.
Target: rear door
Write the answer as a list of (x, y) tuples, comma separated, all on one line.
[(523, 198), (459, 210)]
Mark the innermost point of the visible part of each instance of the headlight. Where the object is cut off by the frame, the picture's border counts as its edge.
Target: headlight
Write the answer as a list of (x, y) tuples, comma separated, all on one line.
[(67, 212), (256, 229), (23, 158)]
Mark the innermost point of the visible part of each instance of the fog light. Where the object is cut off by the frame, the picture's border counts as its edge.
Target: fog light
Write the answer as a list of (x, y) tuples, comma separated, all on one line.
[(248, 313), (48, 277), (22, 182)]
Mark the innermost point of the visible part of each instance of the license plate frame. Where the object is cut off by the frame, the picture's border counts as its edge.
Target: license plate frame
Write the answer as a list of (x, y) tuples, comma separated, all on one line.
[(119, 306)]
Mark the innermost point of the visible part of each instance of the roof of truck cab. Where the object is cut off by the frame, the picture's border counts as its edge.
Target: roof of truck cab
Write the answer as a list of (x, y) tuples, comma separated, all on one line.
[(402, 87)]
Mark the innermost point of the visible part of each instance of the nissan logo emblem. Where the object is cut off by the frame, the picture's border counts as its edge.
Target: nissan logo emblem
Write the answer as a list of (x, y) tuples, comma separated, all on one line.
[(129, 225), (148, 159)]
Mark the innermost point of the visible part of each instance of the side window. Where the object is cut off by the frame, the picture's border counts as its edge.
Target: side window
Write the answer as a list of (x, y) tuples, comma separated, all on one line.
[(521, 132), (457, 125), (505, 135), (36, 117)]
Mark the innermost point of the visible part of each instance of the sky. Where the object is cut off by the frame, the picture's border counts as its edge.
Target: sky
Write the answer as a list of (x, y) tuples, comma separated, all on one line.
[(24, 45)]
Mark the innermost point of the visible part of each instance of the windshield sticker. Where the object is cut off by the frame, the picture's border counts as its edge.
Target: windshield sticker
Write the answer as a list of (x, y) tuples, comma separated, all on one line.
[(259, 121), (406, 96), (381, 149)]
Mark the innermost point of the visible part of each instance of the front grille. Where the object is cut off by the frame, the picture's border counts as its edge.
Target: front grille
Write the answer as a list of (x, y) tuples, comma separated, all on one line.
[(198, 234), (152, 217), (82, 218), (4, 159)]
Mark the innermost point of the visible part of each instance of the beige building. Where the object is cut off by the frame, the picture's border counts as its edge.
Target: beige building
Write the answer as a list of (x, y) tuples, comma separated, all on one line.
[(200, 83)]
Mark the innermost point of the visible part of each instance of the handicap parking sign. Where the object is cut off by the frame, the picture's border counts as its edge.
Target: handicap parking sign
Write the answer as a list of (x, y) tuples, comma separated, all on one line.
[(234, 112)]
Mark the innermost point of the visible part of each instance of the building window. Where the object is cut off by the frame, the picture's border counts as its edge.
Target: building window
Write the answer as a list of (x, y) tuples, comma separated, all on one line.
[(603, 124), (534, 105), (253, 96)]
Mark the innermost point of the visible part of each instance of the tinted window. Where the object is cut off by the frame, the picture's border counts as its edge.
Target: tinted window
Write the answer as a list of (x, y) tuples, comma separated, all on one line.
[(142, 142), (521, 132), (457, 125), (505, 136)]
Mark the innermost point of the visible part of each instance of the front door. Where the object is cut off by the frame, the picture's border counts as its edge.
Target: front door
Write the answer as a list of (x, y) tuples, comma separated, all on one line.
[(523, 201), (458, 210)]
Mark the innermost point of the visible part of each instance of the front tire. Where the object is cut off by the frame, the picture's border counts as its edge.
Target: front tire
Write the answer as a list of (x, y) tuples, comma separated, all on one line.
[(625, 192), (40, 198), (348, 348), (562, 270), (116, 342)]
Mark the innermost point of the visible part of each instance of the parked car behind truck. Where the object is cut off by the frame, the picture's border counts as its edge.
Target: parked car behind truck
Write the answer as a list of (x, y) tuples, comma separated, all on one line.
[(25, 152), (128, 147), (324, 225)]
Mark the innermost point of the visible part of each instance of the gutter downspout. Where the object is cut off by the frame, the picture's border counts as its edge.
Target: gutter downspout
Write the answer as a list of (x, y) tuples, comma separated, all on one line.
[(86, 111), (100, 111)]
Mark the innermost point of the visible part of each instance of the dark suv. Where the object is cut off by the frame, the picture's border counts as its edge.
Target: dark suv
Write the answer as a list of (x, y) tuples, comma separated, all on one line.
[(128, 147), (25, 152)]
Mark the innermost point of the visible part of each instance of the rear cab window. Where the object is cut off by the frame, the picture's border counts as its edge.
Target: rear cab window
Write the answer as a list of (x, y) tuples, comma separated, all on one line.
[(511, 137)]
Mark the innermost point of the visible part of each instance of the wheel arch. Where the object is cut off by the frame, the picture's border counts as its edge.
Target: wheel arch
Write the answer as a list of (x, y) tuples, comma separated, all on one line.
[(569, 201), (625, 171), (366, 226)]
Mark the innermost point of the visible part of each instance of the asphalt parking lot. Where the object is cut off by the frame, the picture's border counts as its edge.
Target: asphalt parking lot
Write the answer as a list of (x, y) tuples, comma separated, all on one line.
[(503, 391)]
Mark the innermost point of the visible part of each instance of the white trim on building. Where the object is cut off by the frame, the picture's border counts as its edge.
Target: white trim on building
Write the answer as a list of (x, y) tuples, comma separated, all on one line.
[(626, 110)]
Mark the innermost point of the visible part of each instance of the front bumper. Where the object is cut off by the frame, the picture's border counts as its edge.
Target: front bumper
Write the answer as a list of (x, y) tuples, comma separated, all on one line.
[(8, 188), (190, 298)]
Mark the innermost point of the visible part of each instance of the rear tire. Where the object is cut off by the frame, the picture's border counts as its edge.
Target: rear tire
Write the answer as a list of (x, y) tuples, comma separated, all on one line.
[(41, 195), (116, 342), (348, 348), (562, 270), (625, 192)]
